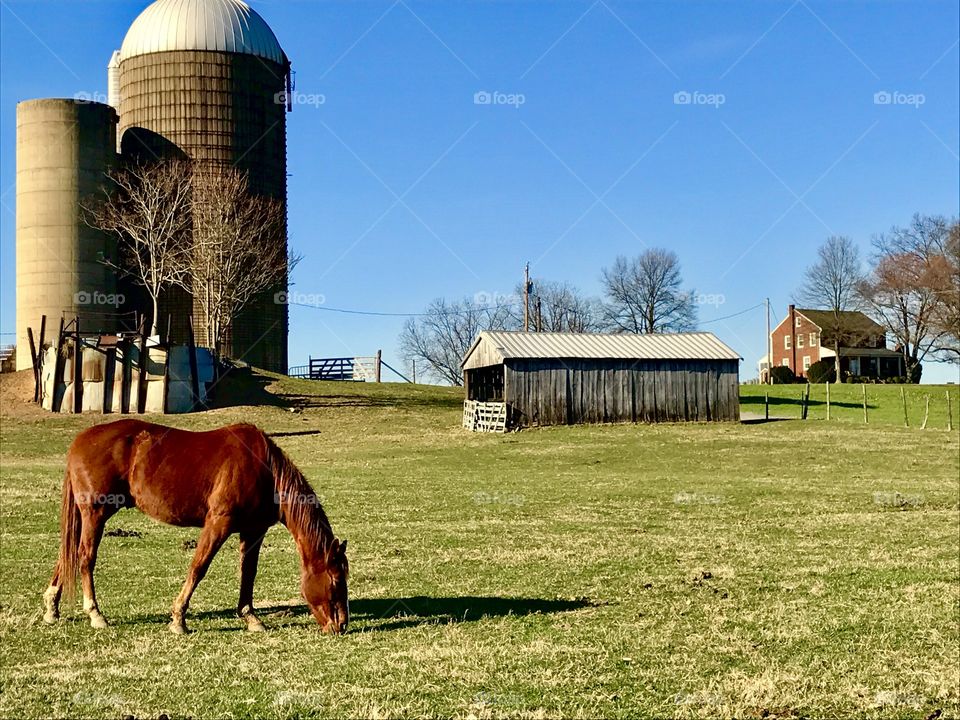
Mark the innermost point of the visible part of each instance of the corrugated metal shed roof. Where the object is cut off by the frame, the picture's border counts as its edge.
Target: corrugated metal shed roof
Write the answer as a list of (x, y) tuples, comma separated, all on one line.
[(680, 346), (216, 25)]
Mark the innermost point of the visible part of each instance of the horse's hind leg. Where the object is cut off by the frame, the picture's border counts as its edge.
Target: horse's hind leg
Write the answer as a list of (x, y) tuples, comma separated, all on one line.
[(250, 544), (214, 533), (91, 533), (51, 598)]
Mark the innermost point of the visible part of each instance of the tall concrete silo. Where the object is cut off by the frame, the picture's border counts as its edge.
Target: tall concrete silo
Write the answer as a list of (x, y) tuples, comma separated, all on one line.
[(64, 150), (207, 79)]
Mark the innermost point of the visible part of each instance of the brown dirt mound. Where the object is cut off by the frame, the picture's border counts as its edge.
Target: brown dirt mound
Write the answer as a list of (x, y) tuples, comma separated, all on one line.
[(16, 395)]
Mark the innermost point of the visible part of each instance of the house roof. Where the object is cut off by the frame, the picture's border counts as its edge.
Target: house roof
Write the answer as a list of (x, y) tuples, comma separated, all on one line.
[(852, 321), (860, 352), (492, 348)]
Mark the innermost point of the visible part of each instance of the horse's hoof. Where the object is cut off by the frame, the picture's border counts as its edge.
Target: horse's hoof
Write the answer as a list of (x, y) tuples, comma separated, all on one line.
[(98, 622), (178, 628), (51, 618), (255, 626)]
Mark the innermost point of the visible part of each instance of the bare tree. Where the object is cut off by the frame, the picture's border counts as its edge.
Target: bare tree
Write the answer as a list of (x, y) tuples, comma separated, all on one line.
[(833, 284), (442, 335), (147, 208), (645, 295), (946, 316), (558, 307), (908, 287), (238, 251)]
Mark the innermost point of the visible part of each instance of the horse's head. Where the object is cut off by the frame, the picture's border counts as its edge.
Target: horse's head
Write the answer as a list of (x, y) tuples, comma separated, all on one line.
[(324, 586)]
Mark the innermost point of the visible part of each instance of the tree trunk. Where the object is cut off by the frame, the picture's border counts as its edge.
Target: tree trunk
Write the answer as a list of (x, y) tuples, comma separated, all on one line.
[(155, 320), (836, 349)]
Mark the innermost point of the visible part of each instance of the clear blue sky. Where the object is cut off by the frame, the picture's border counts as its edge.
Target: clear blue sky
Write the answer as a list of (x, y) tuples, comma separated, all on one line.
[(402, 189)]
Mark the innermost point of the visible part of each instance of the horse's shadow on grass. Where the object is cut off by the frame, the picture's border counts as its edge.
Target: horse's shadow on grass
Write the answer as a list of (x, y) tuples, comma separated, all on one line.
[(405, 612)]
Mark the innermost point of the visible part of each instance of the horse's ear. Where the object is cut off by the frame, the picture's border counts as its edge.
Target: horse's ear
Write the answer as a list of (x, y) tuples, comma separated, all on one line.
[(343, 547)]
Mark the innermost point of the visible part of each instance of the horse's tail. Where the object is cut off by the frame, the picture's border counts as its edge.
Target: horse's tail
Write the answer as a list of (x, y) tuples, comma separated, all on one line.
[(69, 536)]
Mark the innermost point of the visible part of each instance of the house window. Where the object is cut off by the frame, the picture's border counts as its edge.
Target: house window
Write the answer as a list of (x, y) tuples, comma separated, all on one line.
[(806, 363), (799, 341), (785, 362), (786, 342), (813, 339), (854, 366), (799, 320)]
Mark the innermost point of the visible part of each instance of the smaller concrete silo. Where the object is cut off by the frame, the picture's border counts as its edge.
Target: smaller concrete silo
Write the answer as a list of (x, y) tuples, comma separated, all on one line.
[(64, 150)]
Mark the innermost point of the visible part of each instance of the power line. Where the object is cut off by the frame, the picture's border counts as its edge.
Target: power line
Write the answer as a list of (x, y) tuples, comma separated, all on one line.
[(375, 313), (737, 314)]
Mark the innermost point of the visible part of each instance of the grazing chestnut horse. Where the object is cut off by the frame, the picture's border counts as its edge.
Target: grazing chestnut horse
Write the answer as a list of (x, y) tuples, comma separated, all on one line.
[(231, 480)]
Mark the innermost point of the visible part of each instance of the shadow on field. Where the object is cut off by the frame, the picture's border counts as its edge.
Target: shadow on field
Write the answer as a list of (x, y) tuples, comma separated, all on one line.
[(404, 612), (798, 402), (413, 611)]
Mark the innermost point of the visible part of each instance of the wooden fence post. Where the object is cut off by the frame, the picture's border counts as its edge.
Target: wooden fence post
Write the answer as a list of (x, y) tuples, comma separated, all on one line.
[(949, 412), (903, 399), (866, 420), (194, 371), (40, 344), (828, 401), (109, 381), (926, 414), (379, 364), (126, 375), (35, 364), (78, 371), (806, 400), (58, 363), (414, 372), (142, 379), (166, 380), (766, 406)]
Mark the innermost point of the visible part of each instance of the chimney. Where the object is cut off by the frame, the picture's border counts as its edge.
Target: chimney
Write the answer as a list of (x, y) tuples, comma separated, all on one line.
[(792, 311)]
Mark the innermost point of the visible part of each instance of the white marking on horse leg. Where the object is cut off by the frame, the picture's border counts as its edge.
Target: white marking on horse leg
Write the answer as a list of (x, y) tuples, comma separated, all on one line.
[(51, 605), (97, 620)]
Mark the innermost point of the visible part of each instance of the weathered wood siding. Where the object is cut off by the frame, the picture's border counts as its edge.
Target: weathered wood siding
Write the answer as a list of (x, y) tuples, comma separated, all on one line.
[(566, 392)]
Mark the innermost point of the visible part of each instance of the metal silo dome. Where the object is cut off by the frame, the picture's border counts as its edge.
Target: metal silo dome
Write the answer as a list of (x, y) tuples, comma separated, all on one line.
[(212, 25)]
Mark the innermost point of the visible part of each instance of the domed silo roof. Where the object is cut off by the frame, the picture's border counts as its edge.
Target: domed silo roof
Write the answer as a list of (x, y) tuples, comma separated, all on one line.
[(213, 25)]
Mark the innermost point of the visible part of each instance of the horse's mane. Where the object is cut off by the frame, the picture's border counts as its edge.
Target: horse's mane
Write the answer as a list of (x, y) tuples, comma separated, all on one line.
[(300, 508)]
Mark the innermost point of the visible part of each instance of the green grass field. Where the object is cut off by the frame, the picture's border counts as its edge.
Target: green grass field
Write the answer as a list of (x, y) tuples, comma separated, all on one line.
[(784, 569), (884, 404)]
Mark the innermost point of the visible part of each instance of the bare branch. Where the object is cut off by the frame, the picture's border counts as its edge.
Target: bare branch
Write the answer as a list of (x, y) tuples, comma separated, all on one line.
[(645, 295)]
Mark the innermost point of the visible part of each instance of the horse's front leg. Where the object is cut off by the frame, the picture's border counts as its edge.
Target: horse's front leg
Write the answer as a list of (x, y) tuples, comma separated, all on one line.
[(212, 537), (250, 544), (91, 533)]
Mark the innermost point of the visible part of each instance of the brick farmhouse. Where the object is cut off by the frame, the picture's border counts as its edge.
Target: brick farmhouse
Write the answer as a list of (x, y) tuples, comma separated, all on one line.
[(805, 337)]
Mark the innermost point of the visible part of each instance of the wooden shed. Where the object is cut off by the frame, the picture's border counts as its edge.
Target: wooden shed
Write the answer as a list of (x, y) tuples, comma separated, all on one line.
[(569, 378)]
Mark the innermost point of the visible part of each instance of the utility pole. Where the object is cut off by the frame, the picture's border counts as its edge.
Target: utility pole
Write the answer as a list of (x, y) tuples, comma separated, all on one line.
[(539, 315), (769, 348), (526, 298)]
